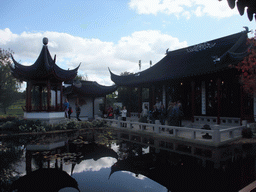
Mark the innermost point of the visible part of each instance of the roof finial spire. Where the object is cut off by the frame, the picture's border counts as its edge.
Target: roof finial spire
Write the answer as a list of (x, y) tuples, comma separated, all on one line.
[(45, 40)]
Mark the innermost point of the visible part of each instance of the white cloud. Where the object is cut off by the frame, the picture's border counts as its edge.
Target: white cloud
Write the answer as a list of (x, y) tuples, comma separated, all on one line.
[(186, 8), (95, 55), (91, 165)]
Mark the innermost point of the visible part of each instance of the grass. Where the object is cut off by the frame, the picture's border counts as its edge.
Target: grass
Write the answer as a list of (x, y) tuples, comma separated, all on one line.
[(15, 109)]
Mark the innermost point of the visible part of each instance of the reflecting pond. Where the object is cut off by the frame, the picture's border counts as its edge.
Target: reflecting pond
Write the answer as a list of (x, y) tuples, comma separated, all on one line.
[(110, 160)]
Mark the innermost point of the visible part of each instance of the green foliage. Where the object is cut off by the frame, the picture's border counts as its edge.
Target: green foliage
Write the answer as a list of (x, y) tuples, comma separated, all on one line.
[(98, 123), (21, 126), (73, 125), (86, 124), (247, 133), (7, 118), (60, 126), (8, 84), (129, 98), (15, 125)]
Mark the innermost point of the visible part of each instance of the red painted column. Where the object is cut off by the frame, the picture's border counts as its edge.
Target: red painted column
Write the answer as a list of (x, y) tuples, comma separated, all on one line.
[(192, 100), (219, 99), (61, 96)]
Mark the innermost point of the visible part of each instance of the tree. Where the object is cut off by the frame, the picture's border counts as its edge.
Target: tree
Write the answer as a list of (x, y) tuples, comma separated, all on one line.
[(247, 67), (8, 84), (128, 96)]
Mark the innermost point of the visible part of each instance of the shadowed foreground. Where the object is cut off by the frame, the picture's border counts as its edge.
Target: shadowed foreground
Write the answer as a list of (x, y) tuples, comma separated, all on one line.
[(45, 179)]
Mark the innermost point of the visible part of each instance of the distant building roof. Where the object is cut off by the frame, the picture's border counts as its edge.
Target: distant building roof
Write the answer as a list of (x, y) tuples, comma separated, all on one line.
[(44, 68), (89, 89), (203, 58)]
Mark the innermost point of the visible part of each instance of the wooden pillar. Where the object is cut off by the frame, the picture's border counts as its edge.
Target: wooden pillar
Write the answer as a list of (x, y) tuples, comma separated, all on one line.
[(219, 99), (61, 96), (192, 100), (48, 95), (164, 96), (56, 98), (40, 98), (140, 100), (152, 97)]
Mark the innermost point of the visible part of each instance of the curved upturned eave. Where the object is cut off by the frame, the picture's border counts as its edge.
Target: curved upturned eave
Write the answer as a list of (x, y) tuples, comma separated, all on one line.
[(65, 75), (182, 63), (93, 89), (52, 71)]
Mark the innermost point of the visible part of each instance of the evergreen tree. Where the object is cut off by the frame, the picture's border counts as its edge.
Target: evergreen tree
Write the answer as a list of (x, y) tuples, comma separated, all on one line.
[(8, 84)]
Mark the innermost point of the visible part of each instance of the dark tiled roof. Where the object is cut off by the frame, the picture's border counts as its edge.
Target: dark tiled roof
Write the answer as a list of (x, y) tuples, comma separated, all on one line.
[(90, 89), (204, 58), (241, 6), (44, 68)]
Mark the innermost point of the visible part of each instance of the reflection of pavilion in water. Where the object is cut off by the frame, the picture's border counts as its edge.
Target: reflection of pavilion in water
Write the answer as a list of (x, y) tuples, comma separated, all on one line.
[(183, 166), (59, 152), (69, 152)]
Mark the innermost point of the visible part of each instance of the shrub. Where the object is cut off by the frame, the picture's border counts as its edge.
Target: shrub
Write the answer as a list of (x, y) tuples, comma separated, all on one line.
[(98, 123), (73, 125), (247, 133), (61, 126)]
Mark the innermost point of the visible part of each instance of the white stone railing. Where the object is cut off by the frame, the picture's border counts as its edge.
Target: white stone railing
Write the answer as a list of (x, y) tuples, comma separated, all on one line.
[(215, 136), (213, 120)]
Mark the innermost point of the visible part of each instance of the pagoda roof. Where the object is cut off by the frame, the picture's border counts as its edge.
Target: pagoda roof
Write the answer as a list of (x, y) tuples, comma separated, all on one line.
[(89, 89), (203, 58), (43, 69)]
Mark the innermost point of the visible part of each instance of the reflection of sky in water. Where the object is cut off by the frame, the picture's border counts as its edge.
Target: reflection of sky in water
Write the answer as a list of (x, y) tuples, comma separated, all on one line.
[(94, 176), (119, 181)]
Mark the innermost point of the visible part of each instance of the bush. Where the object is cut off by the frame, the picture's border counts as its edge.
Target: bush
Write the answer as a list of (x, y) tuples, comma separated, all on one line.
[(98, 123), (8, 118), (73, 125), (61, 126), (247, 133)]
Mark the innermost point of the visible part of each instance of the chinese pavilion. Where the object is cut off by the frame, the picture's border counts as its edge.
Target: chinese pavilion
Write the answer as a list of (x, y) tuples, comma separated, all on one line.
[(200, 77), (89, 95), (42, 77)]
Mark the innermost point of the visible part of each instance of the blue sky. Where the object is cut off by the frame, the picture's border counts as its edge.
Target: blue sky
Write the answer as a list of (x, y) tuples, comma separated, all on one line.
[(112, 33)]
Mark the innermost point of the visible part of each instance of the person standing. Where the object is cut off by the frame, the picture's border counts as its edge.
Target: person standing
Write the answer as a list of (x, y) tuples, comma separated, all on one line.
[(66, 107), (124, 113), (78, 111), (70, 111), (162, 114), (155, 114), (117, 112)]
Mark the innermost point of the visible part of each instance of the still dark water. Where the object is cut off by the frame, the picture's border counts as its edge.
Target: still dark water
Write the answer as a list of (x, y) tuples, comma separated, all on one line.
[(107, 160)]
